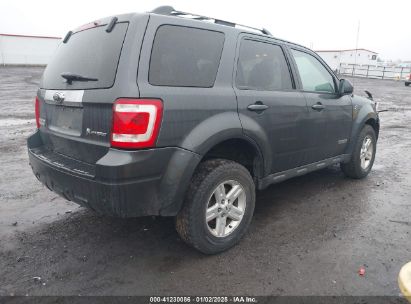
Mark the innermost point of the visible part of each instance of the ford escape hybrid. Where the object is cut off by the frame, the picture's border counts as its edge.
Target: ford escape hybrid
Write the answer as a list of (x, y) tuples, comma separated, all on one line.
[(174, 114)]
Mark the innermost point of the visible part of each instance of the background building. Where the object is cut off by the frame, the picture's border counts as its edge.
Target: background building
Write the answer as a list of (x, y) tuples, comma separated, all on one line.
[(27, 50), (355, 56)]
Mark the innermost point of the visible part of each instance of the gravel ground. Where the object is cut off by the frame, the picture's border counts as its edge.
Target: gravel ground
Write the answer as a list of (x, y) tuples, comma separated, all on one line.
[(309, 235)]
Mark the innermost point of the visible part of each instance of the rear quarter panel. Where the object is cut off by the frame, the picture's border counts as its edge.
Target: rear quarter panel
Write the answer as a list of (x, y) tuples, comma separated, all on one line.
[(194, 118)]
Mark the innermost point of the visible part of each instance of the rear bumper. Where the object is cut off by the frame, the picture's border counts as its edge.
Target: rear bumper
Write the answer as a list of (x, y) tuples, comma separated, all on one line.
[(121, 183)]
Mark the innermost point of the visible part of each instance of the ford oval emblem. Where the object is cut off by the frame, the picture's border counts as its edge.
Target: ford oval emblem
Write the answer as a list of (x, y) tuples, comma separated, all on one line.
[(58, 97)]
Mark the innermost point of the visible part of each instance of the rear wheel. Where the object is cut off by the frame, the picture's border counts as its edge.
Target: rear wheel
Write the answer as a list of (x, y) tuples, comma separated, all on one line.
[(363, 154), (218, 206)]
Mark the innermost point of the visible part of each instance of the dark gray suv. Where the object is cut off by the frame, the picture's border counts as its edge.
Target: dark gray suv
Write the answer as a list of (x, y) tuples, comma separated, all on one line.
[(174, 114)]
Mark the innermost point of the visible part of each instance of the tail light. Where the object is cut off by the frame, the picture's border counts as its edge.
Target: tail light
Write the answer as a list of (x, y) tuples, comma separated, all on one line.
[(136, 123), (37, 112)]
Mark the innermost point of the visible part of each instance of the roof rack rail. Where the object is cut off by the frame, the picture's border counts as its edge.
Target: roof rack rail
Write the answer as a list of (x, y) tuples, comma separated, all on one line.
[(170, 11)]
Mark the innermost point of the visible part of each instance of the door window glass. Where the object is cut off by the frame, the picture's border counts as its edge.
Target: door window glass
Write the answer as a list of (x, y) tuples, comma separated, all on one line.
[(314, 76), (262, 66)]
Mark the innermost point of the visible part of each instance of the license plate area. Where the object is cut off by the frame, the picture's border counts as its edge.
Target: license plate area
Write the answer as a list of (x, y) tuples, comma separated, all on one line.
[(66, 120), (64, 111)]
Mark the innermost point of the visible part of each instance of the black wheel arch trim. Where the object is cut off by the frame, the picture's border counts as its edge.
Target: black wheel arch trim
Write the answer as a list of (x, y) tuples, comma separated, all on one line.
[(189, 170), (363, 117)]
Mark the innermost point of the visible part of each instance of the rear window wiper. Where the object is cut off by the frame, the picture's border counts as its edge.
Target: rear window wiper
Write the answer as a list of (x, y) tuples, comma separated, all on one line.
[(70, 77)]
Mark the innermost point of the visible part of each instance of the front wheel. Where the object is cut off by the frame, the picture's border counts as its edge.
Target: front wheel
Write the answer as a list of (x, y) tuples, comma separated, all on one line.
[(363, 155), (218, 206)]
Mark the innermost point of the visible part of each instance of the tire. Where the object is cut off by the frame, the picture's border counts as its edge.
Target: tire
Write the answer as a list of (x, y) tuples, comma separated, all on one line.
[(200, 201), (407, 84), (355, 168)]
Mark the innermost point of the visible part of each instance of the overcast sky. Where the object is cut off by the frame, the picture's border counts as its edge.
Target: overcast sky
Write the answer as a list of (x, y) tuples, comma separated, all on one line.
[(385, 26)]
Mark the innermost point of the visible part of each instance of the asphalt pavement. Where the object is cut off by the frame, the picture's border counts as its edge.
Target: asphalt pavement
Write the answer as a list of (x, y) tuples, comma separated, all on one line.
[(309, 235)]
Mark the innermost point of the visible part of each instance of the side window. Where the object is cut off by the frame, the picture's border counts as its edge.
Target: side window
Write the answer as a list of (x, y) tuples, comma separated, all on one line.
[(185, 57), (262, 66), (313, 74)]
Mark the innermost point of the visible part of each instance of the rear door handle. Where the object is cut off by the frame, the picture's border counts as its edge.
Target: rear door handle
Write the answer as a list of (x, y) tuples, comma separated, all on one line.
[(318, 106), (257, 107)]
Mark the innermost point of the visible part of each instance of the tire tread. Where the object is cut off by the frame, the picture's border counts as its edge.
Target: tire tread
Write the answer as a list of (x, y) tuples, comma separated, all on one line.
[(353, 169), (185, 219)]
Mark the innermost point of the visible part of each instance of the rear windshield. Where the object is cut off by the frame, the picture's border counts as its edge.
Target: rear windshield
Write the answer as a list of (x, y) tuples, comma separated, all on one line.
[(185, 57), (92, 53)]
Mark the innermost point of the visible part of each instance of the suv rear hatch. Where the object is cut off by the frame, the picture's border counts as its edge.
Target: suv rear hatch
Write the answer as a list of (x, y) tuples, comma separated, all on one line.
[(79, 87)]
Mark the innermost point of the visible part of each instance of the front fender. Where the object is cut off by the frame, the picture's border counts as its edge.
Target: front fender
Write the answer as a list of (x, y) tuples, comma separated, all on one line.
[(363, 111)]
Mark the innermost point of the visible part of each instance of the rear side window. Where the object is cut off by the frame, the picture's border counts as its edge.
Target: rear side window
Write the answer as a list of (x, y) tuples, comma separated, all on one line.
[(314, 76), (185, 57), (92, 53), (262, 66)]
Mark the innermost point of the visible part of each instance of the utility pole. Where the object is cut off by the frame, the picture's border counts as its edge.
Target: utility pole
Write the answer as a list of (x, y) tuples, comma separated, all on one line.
[(356, 46)]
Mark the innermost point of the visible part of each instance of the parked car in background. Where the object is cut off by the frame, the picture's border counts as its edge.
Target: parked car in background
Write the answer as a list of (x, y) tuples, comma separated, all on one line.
[(174, 114), (408, 81)]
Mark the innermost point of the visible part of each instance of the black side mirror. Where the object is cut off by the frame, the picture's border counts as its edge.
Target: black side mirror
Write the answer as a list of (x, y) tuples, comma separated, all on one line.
[(346, 87)]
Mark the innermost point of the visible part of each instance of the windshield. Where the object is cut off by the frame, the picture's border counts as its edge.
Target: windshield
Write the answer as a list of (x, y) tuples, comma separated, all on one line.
[(92, 53)]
